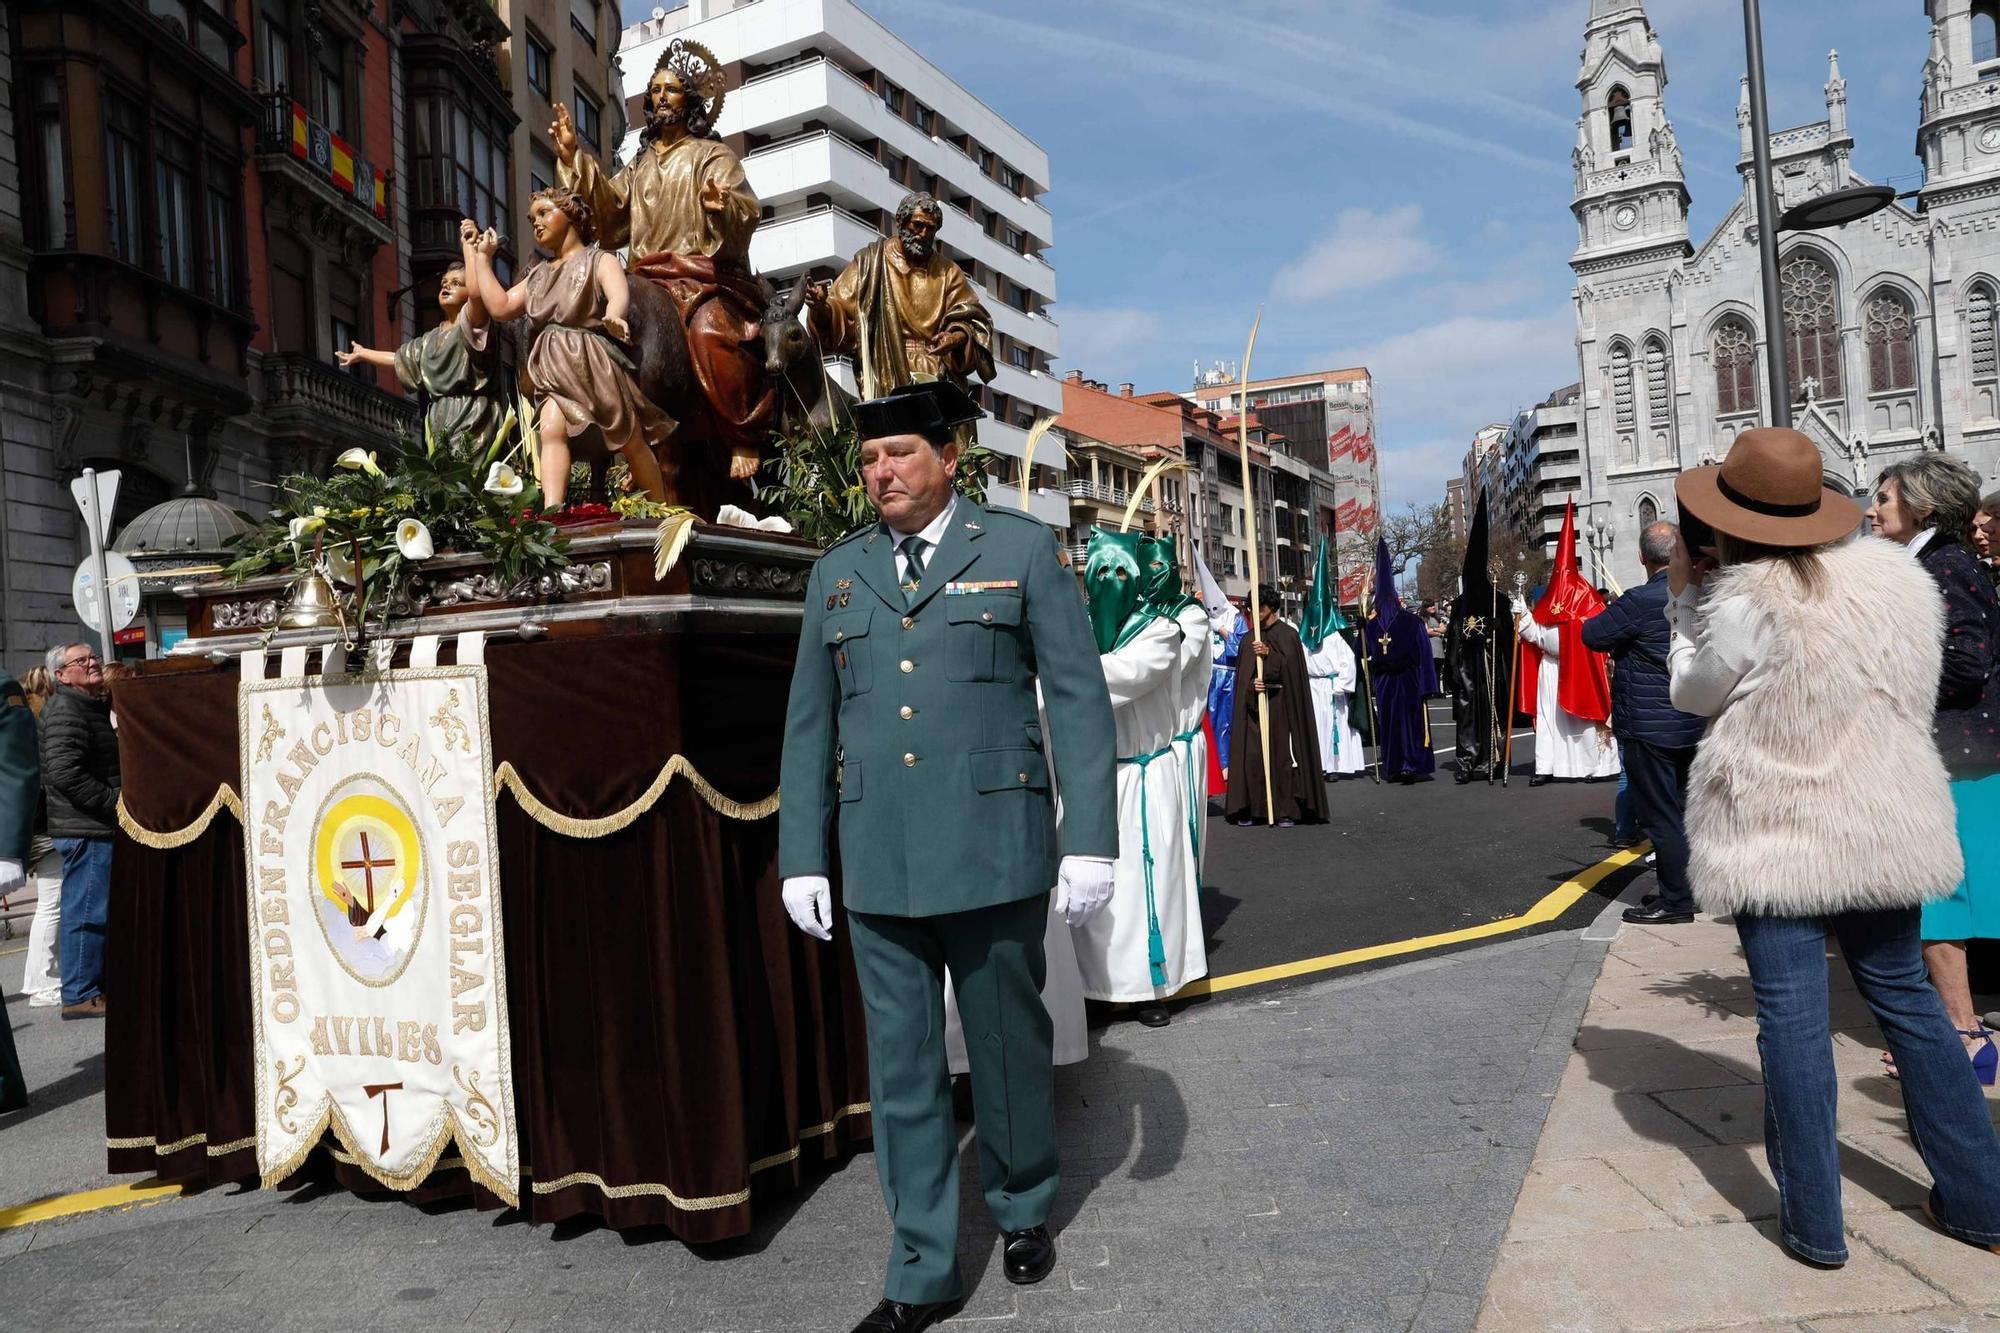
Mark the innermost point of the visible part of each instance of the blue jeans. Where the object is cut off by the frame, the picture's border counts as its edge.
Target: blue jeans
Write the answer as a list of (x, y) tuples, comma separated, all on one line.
[(1947, 1111), (1627, 828), (86, 904)]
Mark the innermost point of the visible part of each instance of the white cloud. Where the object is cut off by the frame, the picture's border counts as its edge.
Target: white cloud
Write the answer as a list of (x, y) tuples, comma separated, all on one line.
[(1440, 382), (1102, 342), (1363, 249)]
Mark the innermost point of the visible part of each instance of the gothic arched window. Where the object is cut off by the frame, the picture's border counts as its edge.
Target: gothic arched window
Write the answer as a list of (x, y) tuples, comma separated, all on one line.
[(1734, 351), (1619, 108), (1659, 384), (1985, 31), (1812, 327), (1979, 310), (1649, 513), (1891, 328), (1624, 410)]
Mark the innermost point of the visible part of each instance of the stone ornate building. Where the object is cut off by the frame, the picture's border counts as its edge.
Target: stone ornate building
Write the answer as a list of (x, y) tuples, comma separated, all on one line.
[(1890, 330)]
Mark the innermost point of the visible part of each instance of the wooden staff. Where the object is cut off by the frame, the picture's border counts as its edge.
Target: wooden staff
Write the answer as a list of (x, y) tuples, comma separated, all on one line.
[(1493, 742), (1250, 532), (1513, 688), (1368, 685)]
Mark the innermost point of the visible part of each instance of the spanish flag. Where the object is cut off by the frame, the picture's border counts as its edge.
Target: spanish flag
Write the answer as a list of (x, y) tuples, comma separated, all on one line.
[(381, 197), (301, 136), (343, 164)]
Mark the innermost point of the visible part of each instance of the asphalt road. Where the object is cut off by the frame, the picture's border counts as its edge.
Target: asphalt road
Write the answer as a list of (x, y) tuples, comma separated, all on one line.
[(1396, 862)]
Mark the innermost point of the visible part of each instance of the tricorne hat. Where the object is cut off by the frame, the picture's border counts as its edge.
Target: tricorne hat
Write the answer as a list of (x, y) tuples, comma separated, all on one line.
[(1769, 490), (928, 408)]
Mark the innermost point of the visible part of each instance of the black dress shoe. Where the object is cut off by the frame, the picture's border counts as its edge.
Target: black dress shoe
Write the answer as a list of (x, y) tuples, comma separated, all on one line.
[(1027, 1256), (896, 1317), (1461, 777), (1657, 915), (1540, 780), (1152, 1015)]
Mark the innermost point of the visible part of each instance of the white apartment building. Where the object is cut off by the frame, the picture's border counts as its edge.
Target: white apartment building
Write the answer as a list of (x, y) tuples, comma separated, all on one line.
[(836, 119)]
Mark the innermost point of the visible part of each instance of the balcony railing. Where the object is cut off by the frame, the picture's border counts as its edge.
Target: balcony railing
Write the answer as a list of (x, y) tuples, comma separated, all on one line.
[(288, 132), (306, 388), (1115, 495)]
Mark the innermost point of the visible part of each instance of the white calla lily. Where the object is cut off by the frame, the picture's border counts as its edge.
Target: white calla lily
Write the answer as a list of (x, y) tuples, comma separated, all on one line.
[(413, 539), (502, 480), (339, 566), (305, 526), (359, 460)]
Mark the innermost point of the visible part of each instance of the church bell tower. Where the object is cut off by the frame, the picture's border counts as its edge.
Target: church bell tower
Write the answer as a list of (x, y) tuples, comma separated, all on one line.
[(1631, 194), (1958, 138)]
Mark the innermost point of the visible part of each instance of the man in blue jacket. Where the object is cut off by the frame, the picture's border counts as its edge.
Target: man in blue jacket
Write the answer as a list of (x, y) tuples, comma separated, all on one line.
[(1656, 739)]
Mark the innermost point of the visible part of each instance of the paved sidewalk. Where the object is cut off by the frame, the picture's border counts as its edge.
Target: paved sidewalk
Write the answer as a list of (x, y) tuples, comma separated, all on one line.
[(1337, 1155), (1649, 1205)]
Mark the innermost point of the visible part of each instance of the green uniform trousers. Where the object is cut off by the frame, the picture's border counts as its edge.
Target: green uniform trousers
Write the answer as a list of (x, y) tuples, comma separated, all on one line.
[(997, 967)]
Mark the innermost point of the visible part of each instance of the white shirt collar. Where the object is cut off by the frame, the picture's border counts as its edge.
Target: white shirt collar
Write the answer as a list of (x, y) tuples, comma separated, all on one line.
[(1921, 540), (933, 532)]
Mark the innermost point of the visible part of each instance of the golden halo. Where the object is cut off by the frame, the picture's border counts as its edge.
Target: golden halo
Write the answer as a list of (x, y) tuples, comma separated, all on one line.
[(698, 64)]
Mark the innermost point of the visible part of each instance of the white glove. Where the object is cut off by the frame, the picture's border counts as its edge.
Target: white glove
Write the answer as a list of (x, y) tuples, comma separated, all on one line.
[(1083, 886), (809, 902)]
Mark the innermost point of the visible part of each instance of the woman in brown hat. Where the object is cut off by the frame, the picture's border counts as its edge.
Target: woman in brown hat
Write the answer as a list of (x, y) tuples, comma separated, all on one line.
[(1818, 806)]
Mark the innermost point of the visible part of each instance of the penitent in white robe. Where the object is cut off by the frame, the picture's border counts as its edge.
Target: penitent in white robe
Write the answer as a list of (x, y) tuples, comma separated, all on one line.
[(1197, 666), (1062, 984), (1566, 746), (1335, 677), (1112, 948)]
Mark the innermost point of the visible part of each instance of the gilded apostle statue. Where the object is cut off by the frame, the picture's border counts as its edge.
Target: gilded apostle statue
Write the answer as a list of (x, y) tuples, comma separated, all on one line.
[(685, 212), (904, 310)]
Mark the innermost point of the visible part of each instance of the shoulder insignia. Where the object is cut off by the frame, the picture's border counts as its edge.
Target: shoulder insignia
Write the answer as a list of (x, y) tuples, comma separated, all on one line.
[(867, 530)]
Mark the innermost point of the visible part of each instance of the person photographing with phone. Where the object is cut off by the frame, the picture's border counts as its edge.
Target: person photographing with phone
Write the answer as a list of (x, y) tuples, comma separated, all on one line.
[(1816, 656)]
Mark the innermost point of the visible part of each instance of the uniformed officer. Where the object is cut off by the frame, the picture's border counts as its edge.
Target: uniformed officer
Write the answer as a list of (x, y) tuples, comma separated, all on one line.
[(913, 715)]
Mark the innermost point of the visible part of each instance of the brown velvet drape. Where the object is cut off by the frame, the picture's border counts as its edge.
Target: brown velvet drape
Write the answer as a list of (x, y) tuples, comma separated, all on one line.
[(676, 1040)]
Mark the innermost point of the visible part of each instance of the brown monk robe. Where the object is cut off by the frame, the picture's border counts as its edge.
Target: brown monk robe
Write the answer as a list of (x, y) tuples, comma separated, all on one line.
[(1298, 793)]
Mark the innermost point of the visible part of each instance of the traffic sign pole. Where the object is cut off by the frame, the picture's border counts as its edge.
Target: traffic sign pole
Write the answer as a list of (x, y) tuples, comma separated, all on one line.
[(93, 518)]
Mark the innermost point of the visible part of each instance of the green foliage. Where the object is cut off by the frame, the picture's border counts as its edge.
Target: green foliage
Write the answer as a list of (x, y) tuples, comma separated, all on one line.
[(354, 516), (815, 482)]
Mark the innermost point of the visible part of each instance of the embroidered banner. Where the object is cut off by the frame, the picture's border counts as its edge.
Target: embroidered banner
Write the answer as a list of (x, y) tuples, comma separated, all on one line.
[(375, 939)]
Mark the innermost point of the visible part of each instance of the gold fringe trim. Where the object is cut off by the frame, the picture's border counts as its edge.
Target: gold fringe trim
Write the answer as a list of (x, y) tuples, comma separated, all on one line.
[(168, 1149), (444, 1132), (698, 1205), (572, 826), (225, 798)]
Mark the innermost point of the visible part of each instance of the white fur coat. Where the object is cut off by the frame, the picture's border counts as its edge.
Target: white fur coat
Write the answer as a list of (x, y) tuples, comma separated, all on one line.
[(1822, 791)]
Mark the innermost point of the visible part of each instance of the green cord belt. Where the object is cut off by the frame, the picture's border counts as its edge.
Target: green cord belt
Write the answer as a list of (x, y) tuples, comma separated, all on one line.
[(1195, 800), (1156, 949)]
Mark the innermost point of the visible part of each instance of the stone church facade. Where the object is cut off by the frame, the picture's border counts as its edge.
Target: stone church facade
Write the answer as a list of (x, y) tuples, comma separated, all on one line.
[(1890, 322)]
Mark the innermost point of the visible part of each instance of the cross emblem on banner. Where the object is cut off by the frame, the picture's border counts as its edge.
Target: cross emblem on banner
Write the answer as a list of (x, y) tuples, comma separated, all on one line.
[(366, 865)]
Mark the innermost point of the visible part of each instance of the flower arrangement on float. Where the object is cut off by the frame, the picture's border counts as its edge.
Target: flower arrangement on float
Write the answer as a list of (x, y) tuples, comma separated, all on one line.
[(368, 525)]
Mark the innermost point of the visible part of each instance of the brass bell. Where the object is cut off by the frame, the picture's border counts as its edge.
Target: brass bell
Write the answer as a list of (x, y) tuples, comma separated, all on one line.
[(311, 605)]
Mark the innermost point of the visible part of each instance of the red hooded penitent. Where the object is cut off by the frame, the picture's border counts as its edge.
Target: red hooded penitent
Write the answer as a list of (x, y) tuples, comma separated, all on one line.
[(1583, 685)]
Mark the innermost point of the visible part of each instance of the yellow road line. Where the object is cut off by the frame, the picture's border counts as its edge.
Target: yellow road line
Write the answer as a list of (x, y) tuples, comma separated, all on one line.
[(90, 1201), (1552, 906)]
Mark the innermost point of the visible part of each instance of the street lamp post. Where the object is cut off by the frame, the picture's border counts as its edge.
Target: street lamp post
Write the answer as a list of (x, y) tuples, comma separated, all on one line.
[(1833, 209)]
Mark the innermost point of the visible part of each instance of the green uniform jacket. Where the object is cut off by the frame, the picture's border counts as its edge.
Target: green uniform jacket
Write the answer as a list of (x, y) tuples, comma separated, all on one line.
[(918, 722)]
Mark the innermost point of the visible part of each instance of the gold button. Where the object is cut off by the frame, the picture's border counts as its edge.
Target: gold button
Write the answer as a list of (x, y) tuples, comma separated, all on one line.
[(909, 761), (1023, 777), (908, 666), (909, 622), (839, 634), (907, 713), (986, 615)]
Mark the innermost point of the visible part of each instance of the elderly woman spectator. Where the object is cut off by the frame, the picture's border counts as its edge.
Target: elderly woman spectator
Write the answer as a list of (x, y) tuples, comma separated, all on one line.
[(41, 981), (1817, 661), (80, 776), (1928, 503)]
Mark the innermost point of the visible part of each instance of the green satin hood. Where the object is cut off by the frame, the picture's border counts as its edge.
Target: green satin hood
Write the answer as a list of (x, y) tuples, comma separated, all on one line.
[(1114, 587)]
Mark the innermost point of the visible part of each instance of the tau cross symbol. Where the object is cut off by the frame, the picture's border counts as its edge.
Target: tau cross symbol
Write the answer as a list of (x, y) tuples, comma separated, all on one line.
[(368, 868)]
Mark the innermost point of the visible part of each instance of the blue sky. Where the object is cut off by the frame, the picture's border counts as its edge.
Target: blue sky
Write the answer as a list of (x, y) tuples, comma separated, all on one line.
[(1389, 179)]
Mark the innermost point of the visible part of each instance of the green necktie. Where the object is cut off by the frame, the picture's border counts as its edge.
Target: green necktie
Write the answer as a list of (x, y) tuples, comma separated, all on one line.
[(913, 575)]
